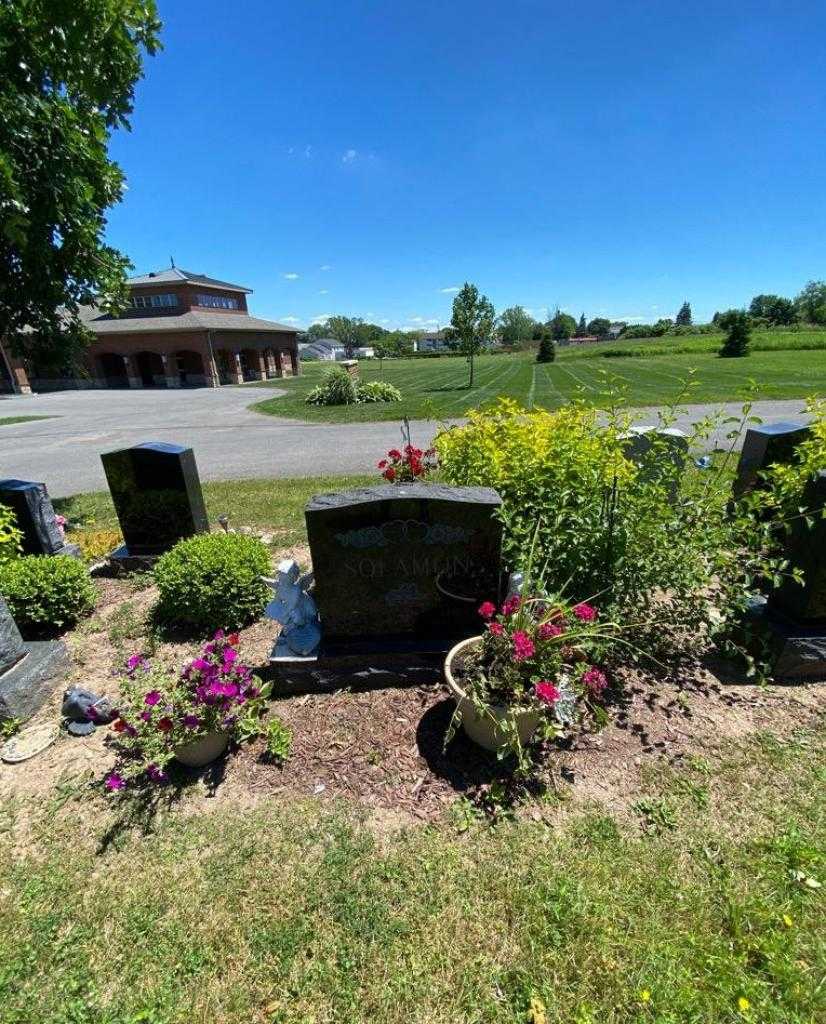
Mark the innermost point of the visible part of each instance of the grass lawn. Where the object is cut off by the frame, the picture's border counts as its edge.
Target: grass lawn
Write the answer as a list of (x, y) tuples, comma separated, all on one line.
[(291, 912), (437, 388), (7, 421)]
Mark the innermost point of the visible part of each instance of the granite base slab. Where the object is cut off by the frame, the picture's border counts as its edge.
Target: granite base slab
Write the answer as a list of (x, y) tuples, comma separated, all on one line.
[(122, 560), (357, 667), (27, 685), (797, 653)]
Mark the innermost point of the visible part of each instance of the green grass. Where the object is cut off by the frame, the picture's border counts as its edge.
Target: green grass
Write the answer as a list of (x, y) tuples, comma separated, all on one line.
[(7, 421), (277, 505), (287, 914), (437, 388)]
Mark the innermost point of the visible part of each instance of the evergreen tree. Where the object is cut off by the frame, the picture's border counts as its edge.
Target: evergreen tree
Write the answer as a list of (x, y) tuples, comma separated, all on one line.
[(547, 348), (683, 318), (736, 324), (582, 327)]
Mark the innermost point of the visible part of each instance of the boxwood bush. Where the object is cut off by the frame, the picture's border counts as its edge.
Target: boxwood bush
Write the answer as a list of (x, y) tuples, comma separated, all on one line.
[(212, 581), (47, 594), (10, 536)]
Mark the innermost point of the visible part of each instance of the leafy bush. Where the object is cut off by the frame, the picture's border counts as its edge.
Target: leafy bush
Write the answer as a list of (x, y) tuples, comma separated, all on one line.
[(10, 536), (738, 333), (635, 535), (212, 581), (47, 594), (337, 388), (377, 391)]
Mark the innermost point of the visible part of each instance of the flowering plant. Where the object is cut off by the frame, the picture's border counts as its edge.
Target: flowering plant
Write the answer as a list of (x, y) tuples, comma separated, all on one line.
[(408, 464), (163, 711)]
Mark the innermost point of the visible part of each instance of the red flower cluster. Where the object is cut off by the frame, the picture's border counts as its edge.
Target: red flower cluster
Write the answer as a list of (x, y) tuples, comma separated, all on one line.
[(407, 465)]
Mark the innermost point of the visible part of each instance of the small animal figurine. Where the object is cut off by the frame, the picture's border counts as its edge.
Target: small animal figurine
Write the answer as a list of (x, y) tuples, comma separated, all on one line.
[(293, 607)]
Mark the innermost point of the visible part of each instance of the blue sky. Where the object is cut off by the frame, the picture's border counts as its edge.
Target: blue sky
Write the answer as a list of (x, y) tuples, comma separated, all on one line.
[(368, 157)]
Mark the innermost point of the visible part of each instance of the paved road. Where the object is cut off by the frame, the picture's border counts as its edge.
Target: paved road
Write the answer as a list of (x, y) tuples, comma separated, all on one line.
[(230, 442)]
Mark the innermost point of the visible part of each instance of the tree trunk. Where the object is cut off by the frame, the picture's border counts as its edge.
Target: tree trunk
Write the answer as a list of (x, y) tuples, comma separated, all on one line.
[(471, 372)]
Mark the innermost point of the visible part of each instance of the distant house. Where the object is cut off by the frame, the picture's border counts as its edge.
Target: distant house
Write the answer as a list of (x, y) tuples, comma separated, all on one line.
[(584, 339), (616, 329), (432, 341), (330, 350)]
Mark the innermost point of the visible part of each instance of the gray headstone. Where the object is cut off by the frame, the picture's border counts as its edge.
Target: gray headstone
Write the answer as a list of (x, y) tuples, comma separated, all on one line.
[(35, 518), (766, 446), (157, 496), (806, 549), (11, 642), (403, 567)]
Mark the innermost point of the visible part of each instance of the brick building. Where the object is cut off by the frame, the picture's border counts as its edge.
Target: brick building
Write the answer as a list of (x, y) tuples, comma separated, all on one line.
[(179, 330)]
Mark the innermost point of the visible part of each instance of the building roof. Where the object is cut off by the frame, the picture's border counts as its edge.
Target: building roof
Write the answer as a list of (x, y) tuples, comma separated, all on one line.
[(175, 275), (103, 324)]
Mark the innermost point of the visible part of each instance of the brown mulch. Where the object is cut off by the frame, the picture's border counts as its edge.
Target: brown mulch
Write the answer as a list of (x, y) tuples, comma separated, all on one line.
[(383, 749)]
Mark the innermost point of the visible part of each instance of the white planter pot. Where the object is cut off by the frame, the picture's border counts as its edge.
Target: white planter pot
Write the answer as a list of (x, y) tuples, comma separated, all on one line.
[(202, 751), (485, 729)]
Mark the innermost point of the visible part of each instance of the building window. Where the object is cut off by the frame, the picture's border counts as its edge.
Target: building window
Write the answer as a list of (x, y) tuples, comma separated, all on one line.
[(217, 301), (153, 301)]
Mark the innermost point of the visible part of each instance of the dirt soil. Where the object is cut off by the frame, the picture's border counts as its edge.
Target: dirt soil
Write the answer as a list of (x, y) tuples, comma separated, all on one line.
[(384, 748)]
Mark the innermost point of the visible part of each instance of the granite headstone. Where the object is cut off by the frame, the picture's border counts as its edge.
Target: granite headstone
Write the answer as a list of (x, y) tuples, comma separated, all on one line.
[(35, 518), (765, 446), (157, 496), (28, 671)]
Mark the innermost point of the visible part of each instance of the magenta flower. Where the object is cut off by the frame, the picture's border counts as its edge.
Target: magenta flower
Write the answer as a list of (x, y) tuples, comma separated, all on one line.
[(584, 612), (156, 774), (512, 605), (230, 655), (201, 665), (487, 609), (548, 630), (547, 692), (114, 782), (152, 698), (191, 721), (523, 646), (146, 716), (219, 634), (496, 628), (594, 681)]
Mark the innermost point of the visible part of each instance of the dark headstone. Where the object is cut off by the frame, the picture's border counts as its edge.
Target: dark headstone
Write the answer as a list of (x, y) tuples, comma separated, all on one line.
[(403, 567), (35, 518), (28, 671), (805, 548), (157, 496), (796, 653), (765, 446)]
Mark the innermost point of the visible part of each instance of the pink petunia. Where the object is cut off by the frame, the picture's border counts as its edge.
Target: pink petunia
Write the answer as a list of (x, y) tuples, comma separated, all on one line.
[(523, 646), (548, 630), (114, 782), (547, 692), (496, 628), (594, 681), (152, 698), (487, 609)]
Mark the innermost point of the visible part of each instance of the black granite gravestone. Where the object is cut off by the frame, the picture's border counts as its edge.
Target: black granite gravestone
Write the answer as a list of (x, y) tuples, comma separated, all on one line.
[(157, 496), (765, 446), (399, 574), (28, 671), (35, 518), (793, 620)]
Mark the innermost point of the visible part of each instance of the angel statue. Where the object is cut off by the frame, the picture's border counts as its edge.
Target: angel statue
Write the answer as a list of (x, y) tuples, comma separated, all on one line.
[(293, 607)]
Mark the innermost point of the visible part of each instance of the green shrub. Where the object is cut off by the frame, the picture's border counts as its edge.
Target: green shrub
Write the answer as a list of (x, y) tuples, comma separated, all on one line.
[(10, 536), (547, 350), (377, 391), (212, 581), (337, 388), (640, 540), (738, 333), (47, 594)]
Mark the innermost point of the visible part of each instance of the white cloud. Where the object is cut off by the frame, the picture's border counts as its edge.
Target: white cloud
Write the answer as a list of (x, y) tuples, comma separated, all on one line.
[(321, 318), (323, 291), (422, 320), (290, 319), (349, 156), (290, 277), (448, 291), (291, 150), (325, 266)]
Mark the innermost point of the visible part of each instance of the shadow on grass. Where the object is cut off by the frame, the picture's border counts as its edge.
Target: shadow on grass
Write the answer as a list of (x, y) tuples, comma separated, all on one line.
[(142, 804), (446, 389)]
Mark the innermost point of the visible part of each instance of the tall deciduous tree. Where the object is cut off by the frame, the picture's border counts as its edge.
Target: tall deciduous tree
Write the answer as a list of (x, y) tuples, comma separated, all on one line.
[(562, 326), (811, 302), (347, 330), (471, 324), (516, 326), (599, 326), (67, 78), (773, 308), (683, 318)]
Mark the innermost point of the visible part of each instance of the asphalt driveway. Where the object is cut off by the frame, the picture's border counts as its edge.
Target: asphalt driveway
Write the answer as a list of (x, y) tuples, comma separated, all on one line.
[(230, 442)]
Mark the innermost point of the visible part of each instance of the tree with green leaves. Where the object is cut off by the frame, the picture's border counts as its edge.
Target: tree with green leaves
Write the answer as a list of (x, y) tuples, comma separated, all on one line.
[(811, 303), (67, 80), (347, 331), (562, 326), (599, 326), (737, 327), (471, 324), (516, 326), (774, 309), (683, 318)]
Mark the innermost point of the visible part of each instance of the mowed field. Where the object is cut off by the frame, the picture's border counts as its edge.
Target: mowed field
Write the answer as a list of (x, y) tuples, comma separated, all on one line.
[(641, 376)]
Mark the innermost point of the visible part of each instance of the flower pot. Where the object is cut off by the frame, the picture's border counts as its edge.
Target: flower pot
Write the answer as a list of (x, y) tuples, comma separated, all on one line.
[(202, 751), (485, 729)]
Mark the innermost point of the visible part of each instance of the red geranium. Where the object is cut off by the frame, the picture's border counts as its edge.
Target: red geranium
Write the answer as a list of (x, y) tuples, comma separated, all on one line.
[(407, 465)]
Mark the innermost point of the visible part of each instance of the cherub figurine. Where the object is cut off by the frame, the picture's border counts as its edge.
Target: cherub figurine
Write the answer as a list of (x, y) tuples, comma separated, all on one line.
[(293, 607)]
